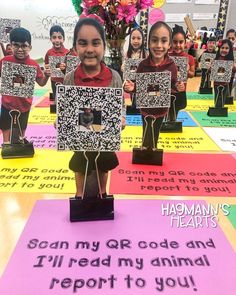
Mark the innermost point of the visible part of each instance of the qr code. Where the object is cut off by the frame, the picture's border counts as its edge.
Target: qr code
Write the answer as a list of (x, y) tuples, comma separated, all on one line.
[(130, 68), (221, 70), (54, 62), (207, 59), (6, 25), (71, 63), (182, 67), (153, 89), (89, 118), (18, 79)]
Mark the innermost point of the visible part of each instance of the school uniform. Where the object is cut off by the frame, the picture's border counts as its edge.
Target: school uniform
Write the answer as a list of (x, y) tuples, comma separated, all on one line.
[(62, 51)]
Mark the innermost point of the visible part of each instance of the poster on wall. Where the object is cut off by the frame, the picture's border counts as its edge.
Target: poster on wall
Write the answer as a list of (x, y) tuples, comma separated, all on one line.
[(6, 25), (179, 1), (207, 2), (175, 17), (199, 16)]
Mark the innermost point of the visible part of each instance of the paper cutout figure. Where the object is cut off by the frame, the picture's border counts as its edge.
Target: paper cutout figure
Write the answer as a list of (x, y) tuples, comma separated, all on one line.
[(153, 89), (54, 62), (18, 79), (6, 25), (221, 70), (130, 68), (105, 103), (182, 66)]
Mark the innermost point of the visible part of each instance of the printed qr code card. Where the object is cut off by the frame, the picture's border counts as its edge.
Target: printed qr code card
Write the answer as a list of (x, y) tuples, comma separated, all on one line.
[(6, 25), (221, 70), (153, 90), (54, 62), (18, 79), (182, 67), (207, 59), (71, 63), (130, 68), (89, 118)]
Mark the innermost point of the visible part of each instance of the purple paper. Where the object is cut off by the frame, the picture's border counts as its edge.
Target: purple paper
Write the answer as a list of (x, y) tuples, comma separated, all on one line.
[(137, 253), (43, 136)]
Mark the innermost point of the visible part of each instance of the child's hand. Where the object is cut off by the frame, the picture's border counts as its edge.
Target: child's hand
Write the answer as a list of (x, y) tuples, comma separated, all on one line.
[(128, 86), (123, 123), (47, 71), (62, 66), (180, 86)]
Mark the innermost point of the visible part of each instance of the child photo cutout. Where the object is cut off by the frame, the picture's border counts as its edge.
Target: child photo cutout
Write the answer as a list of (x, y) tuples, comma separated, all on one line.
[(207, 59), (71, 63), (221, 70), (130, 68), (89, 118), (54, 62), (182, 67), (153, 90), (18, 79), (6, 25)]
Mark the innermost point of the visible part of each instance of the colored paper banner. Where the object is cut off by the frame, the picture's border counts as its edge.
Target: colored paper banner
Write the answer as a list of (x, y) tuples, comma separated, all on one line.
[(46, 172), (196, 95), (225, 138), (203, 105), (206, 121), (189, 140), (41, 116), (232, 215), (42, 136), (181, 175), (43, 103), (41, 92), (113, 257), (135, 120)]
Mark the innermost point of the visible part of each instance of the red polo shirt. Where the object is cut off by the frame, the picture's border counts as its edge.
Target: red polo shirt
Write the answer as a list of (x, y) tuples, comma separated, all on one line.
[(102, 79), (62, 51), (20, 103)]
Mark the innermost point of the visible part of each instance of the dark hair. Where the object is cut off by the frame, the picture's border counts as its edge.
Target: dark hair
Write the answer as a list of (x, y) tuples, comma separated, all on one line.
[(20, 35), (89, 22), (212, 39), (130, 48), (158, 25), (230, 31), (178, 30), (230, 55), (56, 29)]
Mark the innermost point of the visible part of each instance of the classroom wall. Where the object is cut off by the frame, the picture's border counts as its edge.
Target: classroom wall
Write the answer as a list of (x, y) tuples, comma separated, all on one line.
[(38, 17)]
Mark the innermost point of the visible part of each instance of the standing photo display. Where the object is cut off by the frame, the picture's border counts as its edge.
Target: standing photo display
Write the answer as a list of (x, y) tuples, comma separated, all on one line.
[(54, 62), (182, 67), (71, 63), (153, 90), (18, 79), (130, 68), (221, 70), (207, 59), (6, 25), (89, 118)]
